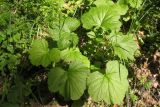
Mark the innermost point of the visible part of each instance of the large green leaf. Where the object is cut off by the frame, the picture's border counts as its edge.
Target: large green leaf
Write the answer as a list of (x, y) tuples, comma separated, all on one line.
[(74, 55), (70, 24), (102, 16), (120, 7), (64, 25), (40, 54), (54, 55), (54, 77), (72, 83), (62, 32), (67, 39), (124, 46), (111, 86)]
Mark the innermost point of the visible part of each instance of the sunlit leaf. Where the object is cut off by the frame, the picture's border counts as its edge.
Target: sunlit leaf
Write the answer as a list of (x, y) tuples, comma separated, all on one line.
[(124, 46), (67, 39), (103, 2), (55, 54), (70, 24), (40, 54), (103, 16), (135, 3), (111, 86)]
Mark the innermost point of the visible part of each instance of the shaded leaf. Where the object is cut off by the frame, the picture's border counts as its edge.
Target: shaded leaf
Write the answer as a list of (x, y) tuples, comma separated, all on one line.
[(72, 83)]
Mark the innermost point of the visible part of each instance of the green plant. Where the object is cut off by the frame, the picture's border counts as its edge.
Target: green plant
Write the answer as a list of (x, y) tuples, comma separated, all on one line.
[(78, 45), (69, 74)]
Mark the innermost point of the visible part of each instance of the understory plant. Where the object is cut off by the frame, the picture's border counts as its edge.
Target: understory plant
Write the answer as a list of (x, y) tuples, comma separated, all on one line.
[(98, 63), (80, 45)]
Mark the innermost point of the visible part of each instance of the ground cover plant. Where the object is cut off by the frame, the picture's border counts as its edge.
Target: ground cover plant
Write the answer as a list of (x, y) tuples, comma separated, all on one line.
[(79, 53)]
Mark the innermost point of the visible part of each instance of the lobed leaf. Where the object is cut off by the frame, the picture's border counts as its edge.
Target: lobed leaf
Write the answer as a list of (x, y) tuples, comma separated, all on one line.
[(74, 55), (70, 84), (71, 24), (103, 16), (111, 86), (124, 46), (120, 7), (62, 32), (40, 54), (67, 39)]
